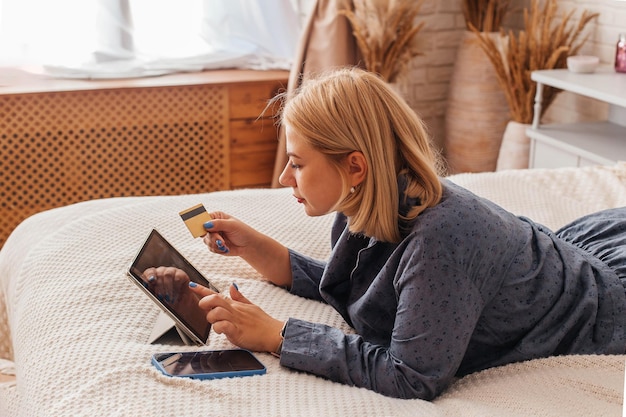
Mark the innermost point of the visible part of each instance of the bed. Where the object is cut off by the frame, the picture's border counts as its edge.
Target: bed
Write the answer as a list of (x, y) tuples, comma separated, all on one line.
[(75, 330)]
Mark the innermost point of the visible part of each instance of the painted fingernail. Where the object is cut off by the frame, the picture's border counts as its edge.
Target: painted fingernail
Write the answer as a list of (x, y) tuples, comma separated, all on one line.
[(208, 225), (220, 246), (193, 284), (152, 278), (236, 286)]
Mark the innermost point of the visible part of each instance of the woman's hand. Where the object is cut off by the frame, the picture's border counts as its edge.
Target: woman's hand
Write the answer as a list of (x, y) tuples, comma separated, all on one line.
[(229, 236), (171, 286), (167, 283), (243, 323)]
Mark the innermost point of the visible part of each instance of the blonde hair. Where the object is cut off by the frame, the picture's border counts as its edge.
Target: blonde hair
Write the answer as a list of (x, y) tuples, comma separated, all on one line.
[(349, 110)]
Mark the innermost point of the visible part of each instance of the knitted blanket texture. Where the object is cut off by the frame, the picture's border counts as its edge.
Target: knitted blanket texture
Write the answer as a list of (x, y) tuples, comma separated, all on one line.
[(75, 329)]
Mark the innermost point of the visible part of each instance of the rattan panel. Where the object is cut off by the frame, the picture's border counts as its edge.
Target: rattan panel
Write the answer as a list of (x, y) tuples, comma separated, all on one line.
[(65, 147)]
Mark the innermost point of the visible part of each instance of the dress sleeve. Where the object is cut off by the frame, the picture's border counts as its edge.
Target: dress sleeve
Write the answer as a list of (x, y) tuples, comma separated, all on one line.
[(306, 271), (306, 274), (435, 317)]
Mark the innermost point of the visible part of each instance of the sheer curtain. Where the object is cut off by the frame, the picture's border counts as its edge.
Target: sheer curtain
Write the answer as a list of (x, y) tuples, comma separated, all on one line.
[(122, 38)]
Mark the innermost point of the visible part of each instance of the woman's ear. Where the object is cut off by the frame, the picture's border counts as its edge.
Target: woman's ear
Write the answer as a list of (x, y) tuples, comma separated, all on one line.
[(357, 168)]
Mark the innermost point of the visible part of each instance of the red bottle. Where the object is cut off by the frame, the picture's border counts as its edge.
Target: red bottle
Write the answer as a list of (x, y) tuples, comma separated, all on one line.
[(620, 54)]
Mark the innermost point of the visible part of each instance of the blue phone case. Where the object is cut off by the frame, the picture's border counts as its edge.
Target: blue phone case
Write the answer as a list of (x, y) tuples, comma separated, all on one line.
[(209, 364)]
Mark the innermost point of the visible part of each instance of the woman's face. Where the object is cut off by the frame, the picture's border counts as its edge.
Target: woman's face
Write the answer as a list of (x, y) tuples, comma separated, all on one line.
[(316, 183)]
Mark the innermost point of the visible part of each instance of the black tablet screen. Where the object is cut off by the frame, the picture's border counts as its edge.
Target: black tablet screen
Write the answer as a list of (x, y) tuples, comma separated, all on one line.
[(174, 295)]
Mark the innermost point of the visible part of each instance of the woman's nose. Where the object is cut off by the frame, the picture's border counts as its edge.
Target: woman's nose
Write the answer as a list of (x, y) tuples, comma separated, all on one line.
[(285, 178)]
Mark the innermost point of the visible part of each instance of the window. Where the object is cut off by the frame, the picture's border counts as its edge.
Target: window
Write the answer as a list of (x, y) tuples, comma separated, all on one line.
[(121, 38)]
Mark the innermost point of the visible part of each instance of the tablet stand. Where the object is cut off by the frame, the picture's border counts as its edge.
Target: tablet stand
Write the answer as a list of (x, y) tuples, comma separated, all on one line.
[(165, 331)]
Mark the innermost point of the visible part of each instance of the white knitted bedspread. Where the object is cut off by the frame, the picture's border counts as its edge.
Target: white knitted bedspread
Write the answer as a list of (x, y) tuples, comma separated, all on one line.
[(79, 328)]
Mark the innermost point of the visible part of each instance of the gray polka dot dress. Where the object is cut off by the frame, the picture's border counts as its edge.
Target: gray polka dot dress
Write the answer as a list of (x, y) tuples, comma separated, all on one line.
[(470, 286)]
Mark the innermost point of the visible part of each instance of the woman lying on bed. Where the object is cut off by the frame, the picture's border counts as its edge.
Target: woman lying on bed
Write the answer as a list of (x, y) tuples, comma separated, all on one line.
[(436, 281)]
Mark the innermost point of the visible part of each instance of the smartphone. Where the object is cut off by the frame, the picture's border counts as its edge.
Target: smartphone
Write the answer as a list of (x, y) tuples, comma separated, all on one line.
[(209, 364)]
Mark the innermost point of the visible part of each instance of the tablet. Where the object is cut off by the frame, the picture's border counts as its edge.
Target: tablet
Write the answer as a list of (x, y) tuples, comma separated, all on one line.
[(173, 296)]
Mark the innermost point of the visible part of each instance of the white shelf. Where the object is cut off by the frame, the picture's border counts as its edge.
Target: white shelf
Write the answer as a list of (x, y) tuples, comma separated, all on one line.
[(602, 142), (605, 84), (579, 144)]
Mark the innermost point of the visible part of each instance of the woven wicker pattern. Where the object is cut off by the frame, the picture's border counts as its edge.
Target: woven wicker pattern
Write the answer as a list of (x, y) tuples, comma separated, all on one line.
[(61, 148)]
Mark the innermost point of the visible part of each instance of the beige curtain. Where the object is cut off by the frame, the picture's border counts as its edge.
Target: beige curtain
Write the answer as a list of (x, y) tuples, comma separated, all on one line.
[(326, 42)]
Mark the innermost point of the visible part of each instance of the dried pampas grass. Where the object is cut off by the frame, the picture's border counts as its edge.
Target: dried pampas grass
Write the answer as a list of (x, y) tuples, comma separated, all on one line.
[(544, 43), (485, 15), (385, 32)]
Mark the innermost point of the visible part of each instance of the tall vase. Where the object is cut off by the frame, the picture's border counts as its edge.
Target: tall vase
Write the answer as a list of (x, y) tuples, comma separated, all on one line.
[(477, 111), (515, 150)]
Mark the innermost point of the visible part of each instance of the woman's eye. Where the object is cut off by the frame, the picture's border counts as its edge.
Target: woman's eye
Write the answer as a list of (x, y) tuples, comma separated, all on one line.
[(295, 166)]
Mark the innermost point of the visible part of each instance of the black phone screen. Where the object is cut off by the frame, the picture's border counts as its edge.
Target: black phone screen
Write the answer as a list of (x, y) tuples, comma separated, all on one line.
[(229, 362)]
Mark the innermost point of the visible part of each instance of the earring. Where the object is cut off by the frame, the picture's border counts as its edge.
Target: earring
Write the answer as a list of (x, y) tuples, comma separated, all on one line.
[(352, 190)]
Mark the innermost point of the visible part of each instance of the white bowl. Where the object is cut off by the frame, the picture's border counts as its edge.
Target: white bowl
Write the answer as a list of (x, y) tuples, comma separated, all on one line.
[(582, 63)]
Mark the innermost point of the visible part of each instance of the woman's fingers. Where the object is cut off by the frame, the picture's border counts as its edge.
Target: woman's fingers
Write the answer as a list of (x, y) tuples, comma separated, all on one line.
[(236, 295), (200, 290), (242, 322), (216, 243), (213, 300), (223, 327), (149, 275)]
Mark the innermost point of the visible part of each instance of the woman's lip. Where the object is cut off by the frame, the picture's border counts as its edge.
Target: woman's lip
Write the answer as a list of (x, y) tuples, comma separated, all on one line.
[(299, 200)]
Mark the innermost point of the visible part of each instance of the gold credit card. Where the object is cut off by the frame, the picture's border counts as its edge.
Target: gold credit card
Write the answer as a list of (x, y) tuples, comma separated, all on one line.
[(194, 218)]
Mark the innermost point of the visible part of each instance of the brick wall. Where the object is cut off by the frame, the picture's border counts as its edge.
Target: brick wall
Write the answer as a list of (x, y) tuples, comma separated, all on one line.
[(603, 34), (430, 73)]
